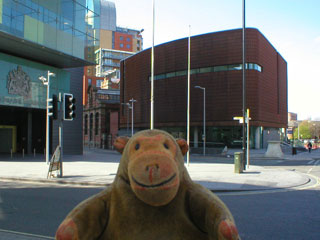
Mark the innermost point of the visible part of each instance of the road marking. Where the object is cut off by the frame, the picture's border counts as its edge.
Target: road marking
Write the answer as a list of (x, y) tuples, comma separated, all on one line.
[(314, 185), (279, 190), (315, 164), (26, 234), (312, 161)]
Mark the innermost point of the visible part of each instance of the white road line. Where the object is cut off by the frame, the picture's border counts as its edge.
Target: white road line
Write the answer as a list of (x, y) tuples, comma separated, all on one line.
[(26, 234), (311, 162), (315, 164)]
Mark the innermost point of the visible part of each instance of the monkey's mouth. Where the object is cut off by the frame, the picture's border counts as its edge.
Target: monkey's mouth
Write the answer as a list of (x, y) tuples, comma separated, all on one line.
[(155, 185)]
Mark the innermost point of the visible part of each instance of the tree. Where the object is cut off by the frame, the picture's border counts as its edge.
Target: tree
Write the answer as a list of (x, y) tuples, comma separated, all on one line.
[(304, 130)]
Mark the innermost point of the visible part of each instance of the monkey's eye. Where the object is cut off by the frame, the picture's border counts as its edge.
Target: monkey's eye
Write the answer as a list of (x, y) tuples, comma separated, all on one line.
[(137, 146), (166, 146)]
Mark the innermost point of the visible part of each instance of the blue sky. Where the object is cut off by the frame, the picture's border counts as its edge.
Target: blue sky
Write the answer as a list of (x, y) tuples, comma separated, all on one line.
[(291, 26)]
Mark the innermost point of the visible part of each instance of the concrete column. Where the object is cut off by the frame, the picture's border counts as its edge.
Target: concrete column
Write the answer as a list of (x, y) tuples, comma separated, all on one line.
[(195, 137), (257, 138), (29, 147)]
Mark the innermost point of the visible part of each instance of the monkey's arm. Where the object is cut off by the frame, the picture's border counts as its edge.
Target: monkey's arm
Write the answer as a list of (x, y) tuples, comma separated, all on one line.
[(87, 220), (211, 215)]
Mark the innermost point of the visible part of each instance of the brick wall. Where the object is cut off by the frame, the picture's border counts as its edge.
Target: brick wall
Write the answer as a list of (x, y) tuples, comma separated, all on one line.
[(266, 90)]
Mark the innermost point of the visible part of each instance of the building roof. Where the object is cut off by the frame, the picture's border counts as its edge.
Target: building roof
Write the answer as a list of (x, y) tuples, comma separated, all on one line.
[(23, 48)]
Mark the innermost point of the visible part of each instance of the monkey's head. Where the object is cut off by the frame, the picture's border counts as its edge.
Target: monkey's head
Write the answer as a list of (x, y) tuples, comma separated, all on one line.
[(152, 163)]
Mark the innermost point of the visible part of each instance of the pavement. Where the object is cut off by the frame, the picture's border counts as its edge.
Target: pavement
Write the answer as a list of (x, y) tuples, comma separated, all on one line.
[(98, 167)]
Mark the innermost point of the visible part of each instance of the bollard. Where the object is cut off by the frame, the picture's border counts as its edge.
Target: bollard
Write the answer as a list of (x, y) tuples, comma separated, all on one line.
[(22, 152), (11, 153), (34, 152), (238, 162)]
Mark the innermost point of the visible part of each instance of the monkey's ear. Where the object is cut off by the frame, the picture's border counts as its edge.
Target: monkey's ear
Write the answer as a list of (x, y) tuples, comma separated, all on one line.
[(183, 145), (120, 143)]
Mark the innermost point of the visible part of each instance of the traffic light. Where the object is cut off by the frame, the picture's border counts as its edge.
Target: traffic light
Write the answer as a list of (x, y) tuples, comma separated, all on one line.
[(53, 107), (69, 107)]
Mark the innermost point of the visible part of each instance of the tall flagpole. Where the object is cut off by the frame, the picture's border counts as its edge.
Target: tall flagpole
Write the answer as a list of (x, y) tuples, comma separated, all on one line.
[(152, 69), (244, 107), (188, 102)]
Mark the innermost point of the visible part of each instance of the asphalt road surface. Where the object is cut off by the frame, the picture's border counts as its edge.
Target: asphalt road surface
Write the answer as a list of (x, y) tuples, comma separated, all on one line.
[(36, 210)]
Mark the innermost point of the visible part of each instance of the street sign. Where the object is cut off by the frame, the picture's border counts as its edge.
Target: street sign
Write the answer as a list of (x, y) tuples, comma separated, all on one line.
[(238, 118), (55, 162)]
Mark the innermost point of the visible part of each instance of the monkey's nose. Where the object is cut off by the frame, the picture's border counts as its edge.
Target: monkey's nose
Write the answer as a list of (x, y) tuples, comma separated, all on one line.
[(152, 166), (152, 169)]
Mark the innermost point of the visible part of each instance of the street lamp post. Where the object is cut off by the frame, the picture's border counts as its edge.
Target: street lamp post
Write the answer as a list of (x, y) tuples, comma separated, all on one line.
[(188, 97), (204, 118), (132, 101), (244, 94), (128, 107), (46, 81), (152, 70)]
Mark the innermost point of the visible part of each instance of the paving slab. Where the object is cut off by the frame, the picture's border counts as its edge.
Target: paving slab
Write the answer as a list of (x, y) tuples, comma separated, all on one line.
[(99, 167)]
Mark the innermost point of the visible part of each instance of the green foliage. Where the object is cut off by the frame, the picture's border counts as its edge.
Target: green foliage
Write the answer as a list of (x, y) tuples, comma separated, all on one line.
[(304, 131)]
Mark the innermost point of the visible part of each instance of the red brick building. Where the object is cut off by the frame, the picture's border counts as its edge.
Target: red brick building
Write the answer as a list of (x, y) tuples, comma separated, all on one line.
[(216, 65), (100, 117)]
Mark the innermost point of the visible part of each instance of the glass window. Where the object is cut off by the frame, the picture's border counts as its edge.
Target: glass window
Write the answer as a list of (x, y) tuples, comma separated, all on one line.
[(172, 74), (194, 71), (99, 83), (220, 68), (121, 45), (121, 38), (86, 124), (229, 67), (89, 81), (259, 68), (234, 67), (96, 127), (206, 70), (181, 73), (91, 126), (128, 39), (160, 76), (128, 46)]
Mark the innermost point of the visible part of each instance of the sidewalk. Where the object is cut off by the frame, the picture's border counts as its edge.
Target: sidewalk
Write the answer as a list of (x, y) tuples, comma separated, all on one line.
[(98, 168)]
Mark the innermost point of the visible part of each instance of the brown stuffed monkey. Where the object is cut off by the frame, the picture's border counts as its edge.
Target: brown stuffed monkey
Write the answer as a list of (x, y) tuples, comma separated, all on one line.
[(151, 198)]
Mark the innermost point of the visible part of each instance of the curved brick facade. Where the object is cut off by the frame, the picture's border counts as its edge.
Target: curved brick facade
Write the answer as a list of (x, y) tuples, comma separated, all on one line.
[(266, 87)]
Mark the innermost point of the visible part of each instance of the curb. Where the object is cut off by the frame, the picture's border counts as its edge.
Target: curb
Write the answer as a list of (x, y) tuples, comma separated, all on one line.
[(64, 182), (99, 185)]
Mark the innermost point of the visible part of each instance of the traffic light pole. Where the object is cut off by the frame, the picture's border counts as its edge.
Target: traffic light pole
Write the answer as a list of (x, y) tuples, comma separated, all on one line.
[(61, 133), (47, 120)]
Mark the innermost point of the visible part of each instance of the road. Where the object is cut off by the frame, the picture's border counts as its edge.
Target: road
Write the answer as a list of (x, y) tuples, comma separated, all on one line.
[(38, 209)]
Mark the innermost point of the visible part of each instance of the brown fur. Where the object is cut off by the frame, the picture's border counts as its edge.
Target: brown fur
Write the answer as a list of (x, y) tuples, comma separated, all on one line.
[(152, 197)]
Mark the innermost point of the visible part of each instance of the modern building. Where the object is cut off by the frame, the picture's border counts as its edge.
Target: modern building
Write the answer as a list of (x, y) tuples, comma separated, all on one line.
[(216, 65), (292, 124), (108, 61), (37, 36), (112, 38)]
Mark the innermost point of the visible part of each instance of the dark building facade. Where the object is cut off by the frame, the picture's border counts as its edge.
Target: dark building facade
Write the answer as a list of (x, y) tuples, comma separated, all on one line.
[(216, 65), (37, 36)]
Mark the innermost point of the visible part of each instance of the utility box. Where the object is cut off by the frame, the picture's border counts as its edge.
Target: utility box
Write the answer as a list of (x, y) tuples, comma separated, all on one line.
[(294, 150), (238, 162)]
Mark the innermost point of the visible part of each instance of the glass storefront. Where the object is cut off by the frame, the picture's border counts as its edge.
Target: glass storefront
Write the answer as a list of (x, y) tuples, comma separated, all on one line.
[(62, 25)]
